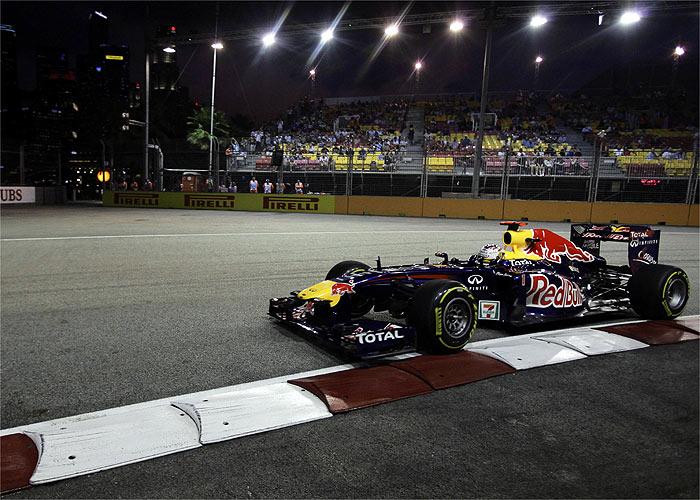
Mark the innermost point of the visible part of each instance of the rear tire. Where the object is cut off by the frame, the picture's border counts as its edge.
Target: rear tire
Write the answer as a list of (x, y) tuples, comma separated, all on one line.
[(444, 314), (658, 292), (360, 305)]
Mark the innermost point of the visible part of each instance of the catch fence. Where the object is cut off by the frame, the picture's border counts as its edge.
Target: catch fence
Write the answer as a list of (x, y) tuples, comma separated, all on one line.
[(431, 174)]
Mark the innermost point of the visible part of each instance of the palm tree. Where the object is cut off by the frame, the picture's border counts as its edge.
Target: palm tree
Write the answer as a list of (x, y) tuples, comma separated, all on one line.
[(199, 123)]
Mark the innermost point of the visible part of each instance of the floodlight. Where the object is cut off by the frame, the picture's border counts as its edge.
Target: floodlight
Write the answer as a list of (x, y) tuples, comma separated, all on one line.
[(312, 72), (169, 50), (327, 35), (418, 65), (538, 59), (456, 25), (268, 39), (630, 17), (216, 45), (538, 21), (679, 51), (391, 30)]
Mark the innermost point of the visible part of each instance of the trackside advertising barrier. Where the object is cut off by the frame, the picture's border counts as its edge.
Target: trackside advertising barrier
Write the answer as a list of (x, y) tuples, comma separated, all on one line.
[(320, 204), (17, 194), (673, 214)]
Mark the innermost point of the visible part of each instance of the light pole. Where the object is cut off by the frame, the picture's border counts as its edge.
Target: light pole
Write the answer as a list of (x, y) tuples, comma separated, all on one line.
[(312, 75), (216, 46), (677, 53), (418, 66), (538, 61), (147, 102), (482, 105)]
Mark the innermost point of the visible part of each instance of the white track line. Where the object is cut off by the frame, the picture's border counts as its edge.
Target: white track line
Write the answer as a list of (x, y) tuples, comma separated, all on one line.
[(286, 233)]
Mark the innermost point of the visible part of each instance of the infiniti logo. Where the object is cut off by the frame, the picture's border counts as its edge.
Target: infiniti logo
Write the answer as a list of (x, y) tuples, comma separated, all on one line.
[(475, 279)]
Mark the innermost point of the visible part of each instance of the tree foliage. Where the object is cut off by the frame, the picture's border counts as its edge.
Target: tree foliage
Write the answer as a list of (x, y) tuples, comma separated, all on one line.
[(198, 126)]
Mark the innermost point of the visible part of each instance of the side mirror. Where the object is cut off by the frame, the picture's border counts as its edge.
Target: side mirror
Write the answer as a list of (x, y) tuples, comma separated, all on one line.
[(443, 255)]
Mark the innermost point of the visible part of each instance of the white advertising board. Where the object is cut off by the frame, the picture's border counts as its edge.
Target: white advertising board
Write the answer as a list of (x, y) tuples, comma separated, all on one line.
[(17, 194)]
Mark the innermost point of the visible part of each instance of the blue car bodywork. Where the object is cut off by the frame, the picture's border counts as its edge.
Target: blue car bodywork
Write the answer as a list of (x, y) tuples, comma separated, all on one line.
[(543, 278)]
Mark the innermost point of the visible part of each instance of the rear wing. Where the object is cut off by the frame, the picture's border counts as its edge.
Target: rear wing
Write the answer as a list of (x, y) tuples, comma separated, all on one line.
[(642, 241)]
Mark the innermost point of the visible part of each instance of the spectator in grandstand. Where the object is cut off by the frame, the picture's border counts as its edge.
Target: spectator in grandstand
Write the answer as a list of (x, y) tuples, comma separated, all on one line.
[(229, 155), (651, 155), (559, 166), (253, 185), (324, 160), (232, 188), (576, 167), (280, 188), (668, 154), (299, 187), (223, 188), (411, 134), (362, 154), (267, 187)]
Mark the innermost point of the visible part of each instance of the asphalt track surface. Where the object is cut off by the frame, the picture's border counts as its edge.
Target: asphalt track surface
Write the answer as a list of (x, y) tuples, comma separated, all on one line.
[(103, 307)]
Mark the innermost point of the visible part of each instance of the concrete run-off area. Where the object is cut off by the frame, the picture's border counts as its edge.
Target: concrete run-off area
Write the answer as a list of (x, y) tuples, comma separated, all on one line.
[(108, 307)]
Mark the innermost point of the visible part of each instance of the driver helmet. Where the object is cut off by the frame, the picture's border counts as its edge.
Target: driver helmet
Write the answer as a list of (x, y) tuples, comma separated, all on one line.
[(489, 252)]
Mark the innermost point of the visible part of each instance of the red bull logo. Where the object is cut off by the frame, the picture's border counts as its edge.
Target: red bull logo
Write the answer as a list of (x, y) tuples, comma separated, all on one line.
[(544, 293), (552, 246), (341, 288)]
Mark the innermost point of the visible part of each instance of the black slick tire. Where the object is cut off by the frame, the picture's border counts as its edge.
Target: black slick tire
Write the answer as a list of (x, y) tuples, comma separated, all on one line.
[(444, 314), (343, 267), (360, 305), (658, 292)]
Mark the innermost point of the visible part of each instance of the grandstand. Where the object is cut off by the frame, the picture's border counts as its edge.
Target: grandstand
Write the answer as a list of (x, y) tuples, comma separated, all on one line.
[(543, 139)]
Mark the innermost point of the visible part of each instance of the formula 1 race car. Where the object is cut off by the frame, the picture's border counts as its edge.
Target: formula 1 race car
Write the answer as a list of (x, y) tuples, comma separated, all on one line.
[(534, 277)]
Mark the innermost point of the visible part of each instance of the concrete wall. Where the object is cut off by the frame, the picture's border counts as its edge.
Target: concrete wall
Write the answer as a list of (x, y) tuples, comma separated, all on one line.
[(672, 214)]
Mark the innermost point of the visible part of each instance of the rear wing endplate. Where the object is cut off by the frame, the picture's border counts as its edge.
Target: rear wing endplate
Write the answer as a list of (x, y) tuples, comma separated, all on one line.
[(642, 241)]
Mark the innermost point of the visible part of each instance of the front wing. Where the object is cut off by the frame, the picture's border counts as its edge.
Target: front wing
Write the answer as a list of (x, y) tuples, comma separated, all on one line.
[(360, 338)]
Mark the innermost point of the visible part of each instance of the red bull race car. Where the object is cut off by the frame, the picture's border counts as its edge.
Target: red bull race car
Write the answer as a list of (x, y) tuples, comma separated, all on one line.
[(535, 276)]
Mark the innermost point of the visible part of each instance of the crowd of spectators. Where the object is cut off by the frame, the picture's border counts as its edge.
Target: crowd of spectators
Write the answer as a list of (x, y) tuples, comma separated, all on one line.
[(530, 127), (522, 124), (658, 119), (534, 124), (313, 127)]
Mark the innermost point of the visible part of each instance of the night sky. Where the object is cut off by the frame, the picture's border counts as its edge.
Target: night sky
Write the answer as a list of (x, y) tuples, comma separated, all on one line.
[(263, 83)]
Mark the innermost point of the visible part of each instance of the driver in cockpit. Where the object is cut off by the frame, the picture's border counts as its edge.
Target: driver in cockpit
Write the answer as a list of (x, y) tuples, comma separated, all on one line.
[(489, 252)]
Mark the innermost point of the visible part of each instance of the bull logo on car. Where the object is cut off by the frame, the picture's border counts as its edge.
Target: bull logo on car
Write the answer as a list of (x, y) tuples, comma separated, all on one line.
[(341, 289), (552, 247)]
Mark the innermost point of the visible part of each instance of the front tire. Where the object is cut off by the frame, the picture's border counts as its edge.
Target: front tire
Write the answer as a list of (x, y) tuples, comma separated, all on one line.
[(360, 305), (658, 292), (343, 267), (444, 314)]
